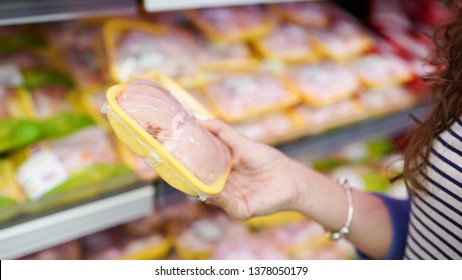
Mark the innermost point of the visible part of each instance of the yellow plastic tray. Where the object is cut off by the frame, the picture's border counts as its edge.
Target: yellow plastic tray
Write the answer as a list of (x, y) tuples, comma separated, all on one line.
[(157, 252), (146, 146)]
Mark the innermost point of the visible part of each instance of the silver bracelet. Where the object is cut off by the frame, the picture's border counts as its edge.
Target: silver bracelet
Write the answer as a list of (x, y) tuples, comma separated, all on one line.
[(345, 230)]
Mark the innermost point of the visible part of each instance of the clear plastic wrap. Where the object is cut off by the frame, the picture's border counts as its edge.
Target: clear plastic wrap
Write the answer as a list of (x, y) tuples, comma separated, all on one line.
[(343, 40), (231, 24), (386, 100), (287, 42), (146, 115), (240, 96), (380, 70), (136, 48), (315, 120), (228, 56), (73, 163), (323, 83), (271, 128), (308, 14)]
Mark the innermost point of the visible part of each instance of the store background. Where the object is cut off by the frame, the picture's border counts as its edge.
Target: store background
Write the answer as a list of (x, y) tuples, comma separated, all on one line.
[(90, 198)]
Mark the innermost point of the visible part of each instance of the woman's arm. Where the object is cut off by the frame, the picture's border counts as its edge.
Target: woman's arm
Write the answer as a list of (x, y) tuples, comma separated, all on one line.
[(264, 181)]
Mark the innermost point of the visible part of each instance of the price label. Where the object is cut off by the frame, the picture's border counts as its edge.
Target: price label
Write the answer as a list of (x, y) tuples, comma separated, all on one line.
[(41, 173)]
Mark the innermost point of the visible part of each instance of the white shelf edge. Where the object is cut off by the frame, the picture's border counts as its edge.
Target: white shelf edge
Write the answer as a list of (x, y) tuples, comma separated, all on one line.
[(70, 224), (62, 16), (165, 5)]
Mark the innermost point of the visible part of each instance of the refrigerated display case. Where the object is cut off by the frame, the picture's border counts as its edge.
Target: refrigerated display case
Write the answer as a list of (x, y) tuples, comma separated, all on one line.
[(126, 198)]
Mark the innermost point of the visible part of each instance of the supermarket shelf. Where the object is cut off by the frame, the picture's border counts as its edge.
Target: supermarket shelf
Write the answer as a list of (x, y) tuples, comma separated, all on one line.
[(70, 224), (314, 146), (165, 5), (30, 11)]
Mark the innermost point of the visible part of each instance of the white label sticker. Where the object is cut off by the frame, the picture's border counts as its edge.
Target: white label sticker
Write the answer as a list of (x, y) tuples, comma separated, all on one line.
[(10, 74), (41, 173)]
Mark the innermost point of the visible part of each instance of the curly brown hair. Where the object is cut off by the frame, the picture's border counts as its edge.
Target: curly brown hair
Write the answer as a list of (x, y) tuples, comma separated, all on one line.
[(446, 87)]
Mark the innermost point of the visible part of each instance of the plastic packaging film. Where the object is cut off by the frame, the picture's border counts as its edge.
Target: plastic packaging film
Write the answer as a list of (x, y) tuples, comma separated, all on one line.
[(241, 96), (232, 24), (147, 116), (136, 48)]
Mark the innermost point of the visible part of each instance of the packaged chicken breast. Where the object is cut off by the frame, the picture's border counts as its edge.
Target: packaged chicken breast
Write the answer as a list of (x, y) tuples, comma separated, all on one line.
[(342, 40), (381, 70), (316, 120), (287, 42), (231, 24), (241, 96), (308, 14), (323, 83), (135, 48), (235, 56), (147, 115), (386, 100), (271, 128), (68, 169)]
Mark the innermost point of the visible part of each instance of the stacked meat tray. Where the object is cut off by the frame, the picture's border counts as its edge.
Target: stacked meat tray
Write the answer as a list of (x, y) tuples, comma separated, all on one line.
[(275, 72)]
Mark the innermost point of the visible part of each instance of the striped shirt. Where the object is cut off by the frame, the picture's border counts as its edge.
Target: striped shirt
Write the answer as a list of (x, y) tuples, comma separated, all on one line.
[(435, 222)]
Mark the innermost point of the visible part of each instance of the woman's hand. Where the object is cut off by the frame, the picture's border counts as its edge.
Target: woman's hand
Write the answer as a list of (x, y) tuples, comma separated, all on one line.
[(261, 181)]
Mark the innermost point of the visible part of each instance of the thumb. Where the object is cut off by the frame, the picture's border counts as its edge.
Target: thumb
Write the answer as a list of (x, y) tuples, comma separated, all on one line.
[(226, 133)]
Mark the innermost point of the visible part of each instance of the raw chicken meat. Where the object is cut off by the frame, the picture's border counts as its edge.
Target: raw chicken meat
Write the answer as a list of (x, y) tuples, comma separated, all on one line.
[(289, 41), (229, 52), (232, 20), (248, 247), (87, 66), (84, 148), (305, 13), (319, 119), (239, 95), (379, 70), (267, 127), (342, 40), (175, 54), (161, 115), (386, 99), (315, 82), (52, 99)]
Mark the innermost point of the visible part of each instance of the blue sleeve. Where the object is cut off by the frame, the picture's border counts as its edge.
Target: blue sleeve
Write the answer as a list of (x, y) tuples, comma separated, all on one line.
[(399, 211)]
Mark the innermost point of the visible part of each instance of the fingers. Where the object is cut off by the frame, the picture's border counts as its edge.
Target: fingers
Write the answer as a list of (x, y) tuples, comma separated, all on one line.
[(226, 133)]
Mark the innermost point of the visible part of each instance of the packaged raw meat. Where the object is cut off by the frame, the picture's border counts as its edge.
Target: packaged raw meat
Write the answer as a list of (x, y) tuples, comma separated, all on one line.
[(231, 24), (12, 103), (385, 100), (271, 128), (87, 66), (152, 247), (315, 120), (135, 48), (308, 14), (199, 239), (343, 40), (240, 96), (66, 251), (66, 165), (147, 116), (71, 34), (287, 42), (381, 70), (323, 83), (297, 237), (249, 247), (235, 56)]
